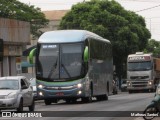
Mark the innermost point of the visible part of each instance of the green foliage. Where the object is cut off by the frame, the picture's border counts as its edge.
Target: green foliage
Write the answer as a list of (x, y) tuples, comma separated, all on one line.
[(14, 9), (125, 29), (153, 46)]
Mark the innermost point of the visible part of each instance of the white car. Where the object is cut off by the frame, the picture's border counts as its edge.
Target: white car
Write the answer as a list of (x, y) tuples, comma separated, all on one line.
[(16, 93)]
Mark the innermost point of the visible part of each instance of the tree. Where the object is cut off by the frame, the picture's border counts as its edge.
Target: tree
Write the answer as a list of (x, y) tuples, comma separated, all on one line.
[(125, 29), (153, 46), (14, 9)]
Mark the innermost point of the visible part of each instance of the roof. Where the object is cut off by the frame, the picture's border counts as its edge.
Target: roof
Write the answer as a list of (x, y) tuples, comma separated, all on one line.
[(132, 55), (11, 77), (55, 14), (67, 36)]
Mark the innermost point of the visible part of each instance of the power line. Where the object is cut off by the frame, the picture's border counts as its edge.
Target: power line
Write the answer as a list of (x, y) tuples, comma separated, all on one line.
[(148, 8), (152, 18)]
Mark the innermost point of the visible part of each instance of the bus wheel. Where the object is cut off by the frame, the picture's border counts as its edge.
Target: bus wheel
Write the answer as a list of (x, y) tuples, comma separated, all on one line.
[(102, 97), (54, 100), (47, 102), (99, 98), (68, 101), (105, 97), (74, 100), (87, 99)]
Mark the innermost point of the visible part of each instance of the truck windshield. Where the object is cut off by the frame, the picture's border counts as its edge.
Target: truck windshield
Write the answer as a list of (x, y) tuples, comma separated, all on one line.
[(59, 61), (139, 66)]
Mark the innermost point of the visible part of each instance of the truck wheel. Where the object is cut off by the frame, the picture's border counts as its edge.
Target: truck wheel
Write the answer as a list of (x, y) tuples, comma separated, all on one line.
[(130, 91)]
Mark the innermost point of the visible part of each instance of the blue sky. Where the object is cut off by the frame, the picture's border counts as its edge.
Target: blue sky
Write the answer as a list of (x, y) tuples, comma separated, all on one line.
[(149, 11)]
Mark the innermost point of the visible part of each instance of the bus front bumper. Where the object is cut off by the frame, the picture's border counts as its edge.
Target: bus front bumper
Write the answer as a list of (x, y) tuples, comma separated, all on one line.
[(60, 94)]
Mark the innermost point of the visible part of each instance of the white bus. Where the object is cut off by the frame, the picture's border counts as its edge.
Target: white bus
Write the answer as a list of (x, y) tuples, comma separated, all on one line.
[(73, 64)]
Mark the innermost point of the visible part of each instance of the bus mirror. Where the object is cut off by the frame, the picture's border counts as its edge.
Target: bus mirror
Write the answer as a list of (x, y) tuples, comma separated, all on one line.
[(31, 54), (86, 56)]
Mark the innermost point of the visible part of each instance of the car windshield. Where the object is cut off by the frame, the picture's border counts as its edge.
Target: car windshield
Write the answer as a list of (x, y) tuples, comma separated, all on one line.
[(59, 61), (9, 84), (139, 66)]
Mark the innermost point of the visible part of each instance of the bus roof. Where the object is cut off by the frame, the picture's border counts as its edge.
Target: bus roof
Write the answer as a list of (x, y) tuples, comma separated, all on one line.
[(68, 36)]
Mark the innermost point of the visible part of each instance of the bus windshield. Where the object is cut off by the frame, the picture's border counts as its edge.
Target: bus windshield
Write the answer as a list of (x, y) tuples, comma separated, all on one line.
[(139, 66), (59, 61)]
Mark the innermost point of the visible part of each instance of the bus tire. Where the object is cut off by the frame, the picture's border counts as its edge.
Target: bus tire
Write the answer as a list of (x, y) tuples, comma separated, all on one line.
[(105, 97), (68, 101), (99, 98), (54, 100), (47, 102), (87, 99)]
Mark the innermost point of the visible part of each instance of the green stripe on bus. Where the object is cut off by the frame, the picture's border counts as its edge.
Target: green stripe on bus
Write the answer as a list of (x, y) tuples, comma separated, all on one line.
[(74, 81)]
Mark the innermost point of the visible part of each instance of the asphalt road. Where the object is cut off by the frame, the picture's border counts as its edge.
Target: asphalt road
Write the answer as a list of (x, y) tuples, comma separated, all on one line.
[(118, 107)]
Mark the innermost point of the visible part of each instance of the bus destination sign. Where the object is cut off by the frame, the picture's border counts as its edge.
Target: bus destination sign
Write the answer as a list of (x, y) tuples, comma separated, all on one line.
[(139, 58), (49, 46)]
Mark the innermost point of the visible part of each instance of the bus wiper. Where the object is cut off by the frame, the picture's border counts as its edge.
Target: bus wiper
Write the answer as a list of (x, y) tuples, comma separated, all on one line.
[(5, 88), (52, 69), (66, 70)]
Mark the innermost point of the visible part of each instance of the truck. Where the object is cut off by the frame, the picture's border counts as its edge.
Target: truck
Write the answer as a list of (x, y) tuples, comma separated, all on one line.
[(143, 72)]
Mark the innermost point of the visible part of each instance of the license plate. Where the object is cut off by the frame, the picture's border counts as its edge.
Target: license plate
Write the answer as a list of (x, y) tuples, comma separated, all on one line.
[(60, 94)]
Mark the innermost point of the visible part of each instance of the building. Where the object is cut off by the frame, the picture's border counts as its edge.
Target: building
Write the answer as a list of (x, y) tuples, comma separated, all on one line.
[(15, 36), (54, 18)]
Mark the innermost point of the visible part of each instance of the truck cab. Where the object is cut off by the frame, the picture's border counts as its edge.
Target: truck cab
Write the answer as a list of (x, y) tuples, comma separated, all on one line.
[(140, 72)]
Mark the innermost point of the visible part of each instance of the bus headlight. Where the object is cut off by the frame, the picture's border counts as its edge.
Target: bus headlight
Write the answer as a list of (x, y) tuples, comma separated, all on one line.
[(79, 85), (40, 86), (79, 92), (40, 93)]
